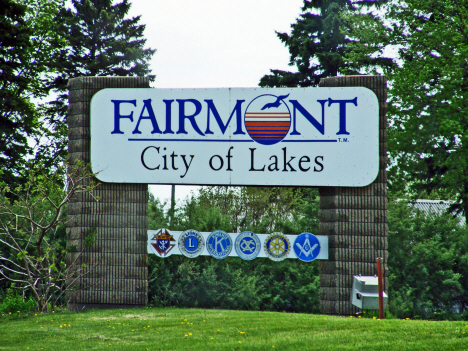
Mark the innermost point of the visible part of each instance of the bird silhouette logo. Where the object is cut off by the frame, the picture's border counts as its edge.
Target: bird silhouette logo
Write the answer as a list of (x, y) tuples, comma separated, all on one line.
[(268, 122), (275, 104)]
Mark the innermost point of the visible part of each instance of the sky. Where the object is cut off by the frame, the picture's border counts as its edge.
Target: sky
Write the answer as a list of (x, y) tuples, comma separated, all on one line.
[(214, 44)]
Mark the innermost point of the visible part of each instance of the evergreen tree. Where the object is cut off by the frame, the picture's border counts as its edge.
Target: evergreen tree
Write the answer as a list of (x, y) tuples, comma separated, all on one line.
[(323, 36), (17, 117), (100, 41), (27, 43)]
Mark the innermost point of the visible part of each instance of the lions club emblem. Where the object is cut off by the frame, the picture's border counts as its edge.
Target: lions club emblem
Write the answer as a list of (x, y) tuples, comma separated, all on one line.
[(277, 246), (191, 243), (247, 245), (163, 242)]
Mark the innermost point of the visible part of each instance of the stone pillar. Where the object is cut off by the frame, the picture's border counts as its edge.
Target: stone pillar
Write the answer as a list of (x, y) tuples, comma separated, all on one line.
[(354, 219), (118, 222)]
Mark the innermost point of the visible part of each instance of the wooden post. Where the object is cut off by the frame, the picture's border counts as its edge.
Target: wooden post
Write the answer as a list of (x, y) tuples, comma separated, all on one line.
[(379, 279)]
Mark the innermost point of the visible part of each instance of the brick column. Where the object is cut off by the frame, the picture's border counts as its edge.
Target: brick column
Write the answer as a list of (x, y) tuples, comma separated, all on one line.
[(354, 219), (119, 220)]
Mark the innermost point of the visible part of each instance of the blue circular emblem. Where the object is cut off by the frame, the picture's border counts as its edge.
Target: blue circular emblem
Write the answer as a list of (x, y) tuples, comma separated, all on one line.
[(219, 244), (247, 245), (306, 247), (191, 243), (277, 246)]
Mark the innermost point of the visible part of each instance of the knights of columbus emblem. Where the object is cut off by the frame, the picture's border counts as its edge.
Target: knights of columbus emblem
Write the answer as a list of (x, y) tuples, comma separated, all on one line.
[(306, 247), (277, 246), (163, 242)]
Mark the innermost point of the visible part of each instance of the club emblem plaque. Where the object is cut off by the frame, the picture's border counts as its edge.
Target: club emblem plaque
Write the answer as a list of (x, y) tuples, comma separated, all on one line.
[(219, 244), (277, 246), (247, 245), (191, 243), (306, 247), (163, 242)]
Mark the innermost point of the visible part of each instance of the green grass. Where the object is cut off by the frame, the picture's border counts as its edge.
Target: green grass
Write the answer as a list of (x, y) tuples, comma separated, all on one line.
[(194, 329)]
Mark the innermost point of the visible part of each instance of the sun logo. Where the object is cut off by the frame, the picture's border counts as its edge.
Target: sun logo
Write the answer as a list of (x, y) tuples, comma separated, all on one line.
[(268, 119)]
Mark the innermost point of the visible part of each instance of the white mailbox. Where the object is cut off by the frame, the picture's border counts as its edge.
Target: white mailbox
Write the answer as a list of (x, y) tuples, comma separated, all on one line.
[(365, 293)]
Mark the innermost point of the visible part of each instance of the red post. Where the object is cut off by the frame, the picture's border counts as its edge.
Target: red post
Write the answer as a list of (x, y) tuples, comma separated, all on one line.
[(379, 277)]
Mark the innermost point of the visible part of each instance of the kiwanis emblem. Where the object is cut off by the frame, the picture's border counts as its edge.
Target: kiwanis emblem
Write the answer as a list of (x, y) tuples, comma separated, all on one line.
[(219, 244), (247, 245), (163, 242), (191, 243), (306, 247), (277, 246)]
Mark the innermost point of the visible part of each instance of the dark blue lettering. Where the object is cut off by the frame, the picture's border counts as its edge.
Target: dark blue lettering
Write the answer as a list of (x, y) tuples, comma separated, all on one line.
[(222, 126), (118, 116), (308, 116), (151, 117), (191, 118), (168, 116), (342, 112)]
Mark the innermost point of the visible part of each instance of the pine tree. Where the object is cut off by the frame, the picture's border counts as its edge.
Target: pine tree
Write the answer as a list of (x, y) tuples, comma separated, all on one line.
[(26, 45), (100, 41), (321, 39)]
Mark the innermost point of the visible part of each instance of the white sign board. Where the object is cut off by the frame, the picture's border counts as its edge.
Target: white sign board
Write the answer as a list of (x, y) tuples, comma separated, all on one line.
[(275, 137), (323, 240)]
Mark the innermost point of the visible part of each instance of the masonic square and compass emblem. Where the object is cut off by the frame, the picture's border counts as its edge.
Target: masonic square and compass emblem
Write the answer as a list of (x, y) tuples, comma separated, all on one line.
[(306, 247)]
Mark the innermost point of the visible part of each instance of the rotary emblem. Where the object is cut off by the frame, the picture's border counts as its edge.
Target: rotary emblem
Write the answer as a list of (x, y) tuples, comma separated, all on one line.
[(219, 244), (163, 242), (247, 245), (306, 247), (277, 246), (191, 243)]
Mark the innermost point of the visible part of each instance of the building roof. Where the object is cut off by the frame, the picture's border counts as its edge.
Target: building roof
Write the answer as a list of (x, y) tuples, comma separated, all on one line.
[(435, 207)]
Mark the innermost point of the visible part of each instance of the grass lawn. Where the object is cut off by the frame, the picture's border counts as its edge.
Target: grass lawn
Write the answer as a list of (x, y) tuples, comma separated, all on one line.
[(195, 329)]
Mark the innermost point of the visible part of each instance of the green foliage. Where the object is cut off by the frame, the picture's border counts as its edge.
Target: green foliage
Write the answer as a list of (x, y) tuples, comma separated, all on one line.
[(233, 283), (32, 233), (428, 134), (97, 40), (43, 43), (258, 209), (15, 303), (428, 265), (20, 80), (331, 37)]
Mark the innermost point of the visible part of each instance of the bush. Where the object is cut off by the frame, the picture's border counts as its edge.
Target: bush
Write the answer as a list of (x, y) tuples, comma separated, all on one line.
[(428, 264), (14, 302), (233, 283)]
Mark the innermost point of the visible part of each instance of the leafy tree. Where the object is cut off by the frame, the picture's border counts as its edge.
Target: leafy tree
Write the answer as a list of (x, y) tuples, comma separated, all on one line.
[(259, 209), (99, 41), (32, 257), (331, 37), (428, 134)]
